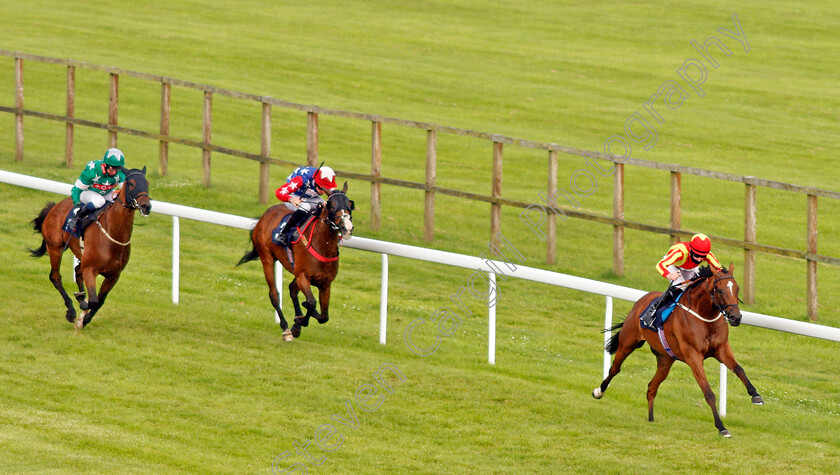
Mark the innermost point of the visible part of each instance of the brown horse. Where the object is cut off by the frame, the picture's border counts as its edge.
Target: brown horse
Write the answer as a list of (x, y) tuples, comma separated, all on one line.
[(694, 332), (107, 244), (314, 257)]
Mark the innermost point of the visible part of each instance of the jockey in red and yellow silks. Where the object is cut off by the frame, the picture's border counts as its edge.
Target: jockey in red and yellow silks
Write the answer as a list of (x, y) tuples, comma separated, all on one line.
[(682, 263)]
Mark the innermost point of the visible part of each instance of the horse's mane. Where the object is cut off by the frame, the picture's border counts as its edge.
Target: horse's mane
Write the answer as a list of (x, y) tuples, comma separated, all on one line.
[(705, 273)]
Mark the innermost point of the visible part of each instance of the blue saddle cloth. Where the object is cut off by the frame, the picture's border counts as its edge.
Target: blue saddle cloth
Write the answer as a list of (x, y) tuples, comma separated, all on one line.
[(662, 313), (294, 234), (84, 222)]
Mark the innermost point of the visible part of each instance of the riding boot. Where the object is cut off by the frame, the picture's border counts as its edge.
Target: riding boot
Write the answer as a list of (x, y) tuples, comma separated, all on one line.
[(78, 210), (664, 299), (284, 234)]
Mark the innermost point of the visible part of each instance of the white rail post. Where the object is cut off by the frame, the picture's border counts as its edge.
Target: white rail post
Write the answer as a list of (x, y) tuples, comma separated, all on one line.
[(607, 324), (383, 301), (278, 283), (176, 258), (722, 403), (491, 326)]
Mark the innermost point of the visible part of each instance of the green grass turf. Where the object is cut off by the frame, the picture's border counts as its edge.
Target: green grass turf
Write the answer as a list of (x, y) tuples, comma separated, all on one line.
[(207, 385)]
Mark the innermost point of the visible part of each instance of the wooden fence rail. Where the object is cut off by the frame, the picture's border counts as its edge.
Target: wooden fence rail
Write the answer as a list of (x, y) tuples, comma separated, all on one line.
[(495, 198)]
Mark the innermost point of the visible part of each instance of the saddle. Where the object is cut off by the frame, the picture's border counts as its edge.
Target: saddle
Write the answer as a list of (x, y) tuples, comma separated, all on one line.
[(661, 314), (294, 234), (86, 218)]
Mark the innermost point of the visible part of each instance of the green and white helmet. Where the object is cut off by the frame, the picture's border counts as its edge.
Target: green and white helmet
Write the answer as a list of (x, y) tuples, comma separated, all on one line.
[(114, 157)]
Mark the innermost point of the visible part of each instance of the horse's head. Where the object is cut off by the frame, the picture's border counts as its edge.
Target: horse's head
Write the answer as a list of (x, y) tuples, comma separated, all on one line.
[(137, 191), (724, 294), (339, 212)]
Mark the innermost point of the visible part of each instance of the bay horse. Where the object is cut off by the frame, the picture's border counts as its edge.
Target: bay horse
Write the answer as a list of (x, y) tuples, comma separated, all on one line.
[(107, 244), (314, 257), (694, 332)]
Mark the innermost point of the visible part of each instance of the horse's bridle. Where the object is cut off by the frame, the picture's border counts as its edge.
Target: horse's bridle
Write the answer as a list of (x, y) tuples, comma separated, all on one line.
[(329, 222), (713, 293), (133, 204)]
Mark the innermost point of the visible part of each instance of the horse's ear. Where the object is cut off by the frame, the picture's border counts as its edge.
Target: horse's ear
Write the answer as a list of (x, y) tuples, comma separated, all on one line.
[(731, 267), (143, 170), (352, 205), (344, 190)]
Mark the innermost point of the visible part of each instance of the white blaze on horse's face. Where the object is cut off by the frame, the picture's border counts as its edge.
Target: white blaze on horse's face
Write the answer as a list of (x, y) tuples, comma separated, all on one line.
[(729, 284), (346, 226)]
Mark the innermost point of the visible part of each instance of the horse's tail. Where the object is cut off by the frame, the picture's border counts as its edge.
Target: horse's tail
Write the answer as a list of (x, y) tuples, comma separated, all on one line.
[(37, 224), (250, 255), (612, 345)]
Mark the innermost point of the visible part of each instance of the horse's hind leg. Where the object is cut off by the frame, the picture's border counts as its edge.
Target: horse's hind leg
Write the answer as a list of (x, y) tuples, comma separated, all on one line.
[(627, 343), (663, 367), (273, 294), (725, 356), (695, 362), (55, 278)]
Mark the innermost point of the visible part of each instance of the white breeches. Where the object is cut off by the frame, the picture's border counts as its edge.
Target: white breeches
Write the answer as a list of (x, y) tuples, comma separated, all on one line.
[(98, 200), (684, 274), (307, 204)]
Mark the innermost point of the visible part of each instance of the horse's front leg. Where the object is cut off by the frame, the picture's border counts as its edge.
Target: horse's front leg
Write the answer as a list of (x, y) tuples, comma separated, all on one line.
[(293, 293), (324, 300), (309, 304), (727, 357), (104, 289), (663, 367), (695, 362)]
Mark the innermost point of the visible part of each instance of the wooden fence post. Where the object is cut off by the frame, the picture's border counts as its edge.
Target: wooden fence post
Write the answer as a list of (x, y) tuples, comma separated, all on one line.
[(749, 236), (551, 234), (265, 152), (163, 146), (431, 173), (207, 129), (812, 264), (676, 205), (496, 208), (71, 111), (312, 139), (19, 109), (618, 213), (113, 109), (376, 171)]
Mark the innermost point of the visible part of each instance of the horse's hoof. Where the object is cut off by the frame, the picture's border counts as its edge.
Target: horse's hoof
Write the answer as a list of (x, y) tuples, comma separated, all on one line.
[(71, 315), (296, 331), (725, 433), (597, 393), (758, 401), (80, 296), (322, 320), (87, 318), (287, 335), (302, 321), (84, 305), (79, 322)]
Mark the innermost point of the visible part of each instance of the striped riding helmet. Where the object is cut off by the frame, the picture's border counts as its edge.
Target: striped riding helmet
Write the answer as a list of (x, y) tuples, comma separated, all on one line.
[(700, 244)]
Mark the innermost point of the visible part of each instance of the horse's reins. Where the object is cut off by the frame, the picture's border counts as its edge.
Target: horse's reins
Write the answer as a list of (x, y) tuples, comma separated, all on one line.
[(721, 310), (134, 205)]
